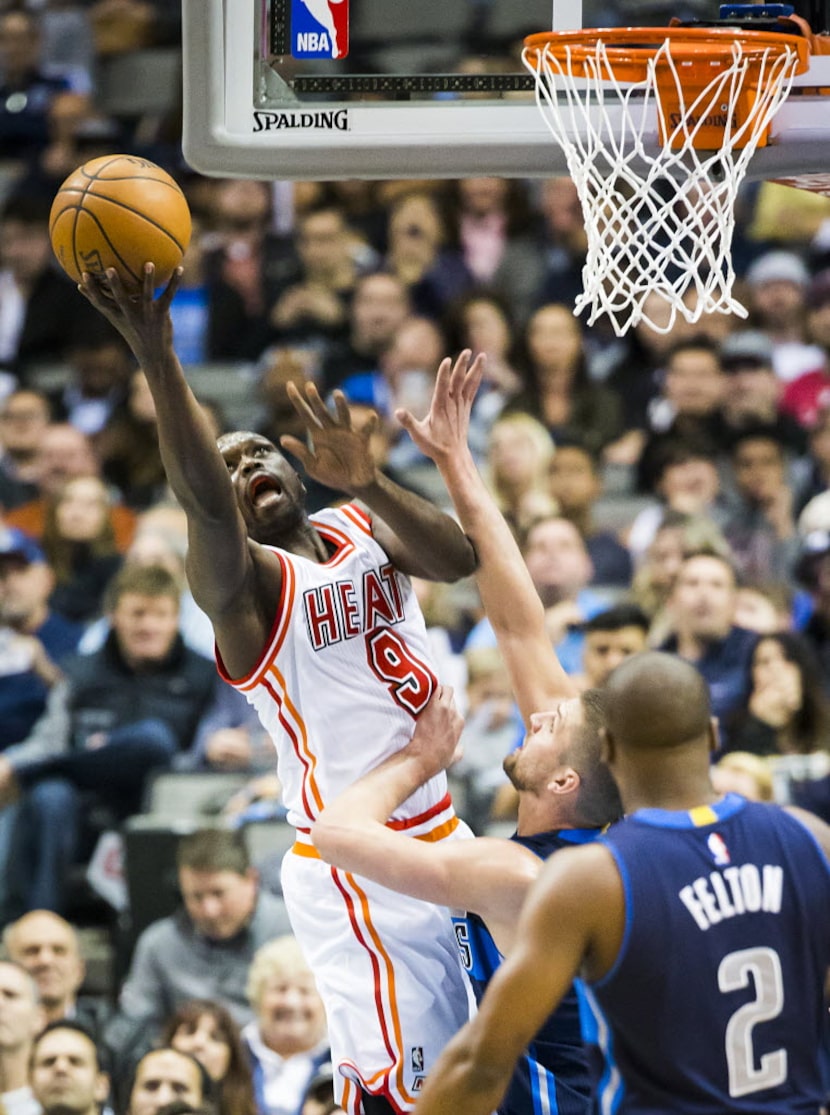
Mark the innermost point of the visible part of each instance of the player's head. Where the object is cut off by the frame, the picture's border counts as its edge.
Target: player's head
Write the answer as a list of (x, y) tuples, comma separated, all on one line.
[(269, 492), (560, 761), (657, 713)]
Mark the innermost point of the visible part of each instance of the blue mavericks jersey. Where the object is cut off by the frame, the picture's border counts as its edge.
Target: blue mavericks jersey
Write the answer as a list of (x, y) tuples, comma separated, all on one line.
[(552, 1077), (715, 1003)]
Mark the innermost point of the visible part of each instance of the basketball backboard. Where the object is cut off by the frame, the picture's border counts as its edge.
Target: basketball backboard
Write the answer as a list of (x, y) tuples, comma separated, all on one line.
[(327, 89)]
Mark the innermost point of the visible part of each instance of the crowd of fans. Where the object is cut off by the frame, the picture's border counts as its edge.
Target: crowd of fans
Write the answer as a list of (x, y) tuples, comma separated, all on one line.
[(668, 489)]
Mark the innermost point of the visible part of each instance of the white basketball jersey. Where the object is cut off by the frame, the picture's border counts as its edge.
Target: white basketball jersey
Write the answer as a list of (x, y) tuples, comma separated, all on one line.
[(346, 670)]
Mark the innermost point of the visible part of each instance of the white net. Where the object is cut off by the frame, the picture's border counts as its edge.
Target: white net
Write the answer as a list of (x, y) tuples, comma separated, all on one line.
[(659, 214)]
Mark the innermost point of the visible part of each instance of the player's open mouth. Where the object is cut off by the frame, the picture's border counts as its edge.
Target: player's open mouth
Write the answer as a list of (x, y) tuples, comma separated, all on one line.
[(263, 490)]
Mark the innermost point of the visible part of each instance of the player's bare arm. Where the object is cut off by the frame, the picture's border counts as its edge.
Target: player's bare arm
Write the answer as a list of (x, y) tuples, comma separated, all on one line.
[(572, 921), (509, 596), (230, 575), (419, 538), (484, 876)]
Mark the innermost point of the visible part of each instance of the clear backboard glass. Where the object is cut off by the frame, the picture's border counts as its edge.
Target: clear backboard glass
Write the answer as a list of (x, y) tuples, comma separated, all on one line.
[(406, 88)]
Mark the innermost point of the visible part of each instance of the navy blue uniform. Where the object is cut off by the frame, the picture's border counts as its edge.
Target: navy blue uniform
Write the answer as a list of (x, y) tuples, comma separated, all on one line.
[(552, 1077), (715, 1003)]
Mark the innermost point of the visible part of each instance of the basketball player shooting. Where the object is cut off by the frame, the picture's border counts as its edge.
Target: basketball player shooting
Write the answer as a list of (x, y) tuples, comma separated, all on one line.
[(316, 623)]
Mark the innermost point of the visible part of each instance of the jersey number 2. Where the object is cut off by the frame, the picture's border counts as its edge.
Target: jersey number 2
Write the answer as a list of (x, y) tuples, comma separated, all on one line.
[(734, 972), (409, 680)]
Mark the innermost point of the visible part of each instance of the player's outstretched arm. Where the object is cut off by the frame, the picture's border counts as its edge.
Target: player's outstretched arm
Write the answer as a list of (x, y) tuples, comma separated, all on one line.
[(507, 591), (195, 469), (489, 877), (557, 928), (419, 538)]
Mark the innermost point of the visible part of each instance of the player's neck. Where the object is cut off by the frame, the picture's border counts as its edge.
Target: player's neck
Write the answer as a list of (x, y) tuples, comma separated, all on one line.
[(535, 815), (676, 790), (304, 540)]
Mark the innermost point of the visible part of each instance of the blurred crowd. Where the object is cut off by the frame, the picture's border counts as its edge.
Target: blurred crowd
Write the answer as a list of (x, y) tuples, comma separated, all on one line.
[(668, 489)]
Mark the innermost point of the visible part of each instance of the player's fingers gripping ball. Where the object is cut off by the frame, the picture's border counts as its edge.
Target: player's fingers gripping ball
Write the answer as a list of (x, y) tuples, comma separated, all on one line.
[(119, 211)]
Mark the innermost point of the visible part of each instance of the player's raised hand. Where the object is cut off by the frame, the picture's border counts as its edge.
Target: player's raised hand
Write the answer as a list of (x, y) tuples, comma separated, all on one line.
[(337, 454), (438, 729), (142, 319), (444, 430)]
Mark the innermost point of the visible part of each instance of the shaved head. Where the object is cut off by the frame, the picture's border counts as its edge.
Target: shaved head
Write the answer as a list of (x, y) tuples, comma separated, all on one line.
[(656, 700)]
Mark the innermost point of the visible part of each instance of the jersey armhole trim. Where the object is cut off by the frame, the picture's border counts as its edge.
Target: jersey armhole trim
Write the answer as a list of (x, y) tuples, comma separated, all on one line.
[(275, 636), (628, 901)]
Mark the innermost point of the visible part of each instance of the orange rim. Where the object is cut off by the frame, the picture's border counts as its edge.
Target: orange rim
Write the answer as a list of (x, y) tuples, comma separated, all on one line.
[(699, 51)]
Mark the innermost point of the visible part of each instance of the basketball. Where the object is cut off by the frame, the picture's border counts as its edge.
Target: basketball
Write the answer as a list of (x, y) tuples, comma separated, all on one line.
[(119, 211)]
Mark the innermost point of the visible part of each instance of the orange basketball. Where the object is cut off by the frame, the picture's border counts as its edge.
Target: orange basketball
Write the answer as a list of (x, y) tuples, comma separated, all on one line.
[(119, 211)]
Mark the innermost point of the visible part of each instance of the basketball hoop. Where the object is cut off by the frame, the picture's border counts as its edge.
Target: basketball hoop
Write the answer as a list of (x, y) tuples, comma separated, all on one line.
[(659, 208)]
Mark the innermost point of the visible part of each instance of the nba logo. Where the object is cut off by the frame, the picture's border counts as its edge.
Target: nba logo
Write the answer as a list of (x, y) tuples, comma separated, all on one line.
[(719, 850), (319, 28)]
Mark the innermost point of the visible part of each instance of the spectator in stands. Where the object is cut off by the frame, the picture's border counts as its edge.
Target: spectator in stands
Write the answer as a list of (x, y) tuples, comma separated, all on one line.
[(807, 395), (314, 306), (560, 394), (66, 1073), (812, 571), (21, 1019), (739, 772), (818, 310), (558, 562), (419, 255), (554, 272), (206, 948), (758, 523), (682, 475), (65, 453), (42, 310), (489, 215), (122, 25), (483, 322), (25, 90), (99, 366), (164, 1076), (634, 369), (702, 605), (24, 416), (611, 637), (764, 608), (491, 728), (818, 459), (575, 482), (380, 305), (77, 132), (79, 542), (752, 390), (287, 1039), (47, 946), (117, 715), (786, 711), (205, 1029), (247, 270), (777, 286), (36, 639), (519, 455), (319, 1099), (690, 397), (128, 447), (787, 716)]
